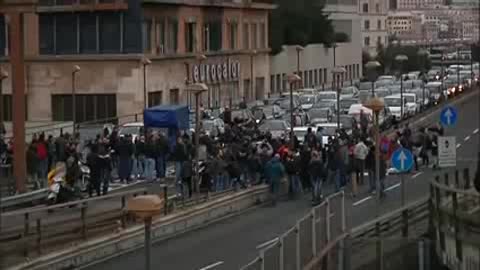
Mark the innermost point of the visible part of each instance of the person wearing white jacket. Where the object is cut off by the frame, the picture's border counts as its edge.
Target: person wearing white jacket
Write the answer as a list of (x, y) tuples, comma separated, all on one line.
[(360, 152)]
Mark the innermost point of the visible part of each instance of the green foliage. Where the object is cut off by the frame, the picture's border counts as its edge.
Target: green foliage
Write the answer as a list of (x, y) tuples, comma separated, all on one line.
[(415, 62), (299, 22), (380, 57)]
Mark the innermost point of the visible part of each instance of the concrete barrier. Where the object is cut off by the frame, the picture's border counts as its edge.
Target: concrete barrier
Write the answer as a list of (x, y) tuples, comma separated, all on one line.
[(105, 248)]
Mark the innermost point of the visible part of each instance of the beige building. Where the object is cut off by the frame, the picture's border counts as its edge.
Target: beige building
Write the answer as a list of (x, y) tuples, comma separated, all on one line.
[(109, 41), (417, 4), (405, 25), (373, 14)]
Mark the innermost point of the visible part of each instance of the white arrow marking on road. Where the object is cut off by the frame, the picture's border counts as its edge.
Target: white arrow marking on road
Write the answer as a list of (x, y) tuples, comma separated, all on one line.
[(268, 243), (467, 138), (402, 157), (458, 145), (475, 131), (449, 115), (212, 265)]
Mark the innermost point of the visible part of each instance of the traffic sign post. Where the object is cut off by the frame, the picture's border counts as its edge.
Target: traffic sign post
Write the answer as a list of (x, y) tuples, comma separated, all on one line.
[(402, 161), (448, 116), (447, 152)]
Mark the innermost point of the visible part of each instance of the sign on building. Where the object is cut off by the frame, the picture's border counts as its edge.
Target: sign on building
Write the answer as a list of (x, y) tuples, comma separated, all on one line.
[(447, 152), (216, 72)]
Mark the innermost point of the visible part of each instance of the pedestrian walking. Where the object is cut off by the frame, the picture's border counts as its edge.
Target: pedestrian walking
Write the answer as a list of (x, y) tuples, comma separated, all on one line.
[(316, 169), (292, 168), (275, 171)]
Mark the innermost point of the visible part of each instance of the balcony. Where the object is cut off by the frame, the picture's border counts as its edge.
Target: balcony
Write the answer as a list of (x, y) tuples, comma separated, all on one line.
[(81, 5)]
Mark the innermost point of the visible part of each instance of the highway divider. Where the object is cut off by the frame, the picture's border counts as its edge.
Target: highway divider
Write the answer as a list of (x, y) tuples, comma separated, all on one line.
[(110, 246)]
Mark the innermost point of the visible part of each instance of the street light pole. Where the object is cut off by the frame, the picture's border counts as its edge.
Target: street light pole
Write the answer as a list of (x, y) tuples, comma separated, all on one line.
[(299, 49), (197, 89), (292, 80), (76, 69), (422, 54), (145, 63), (337, 72), (401, 59), (372, 67)]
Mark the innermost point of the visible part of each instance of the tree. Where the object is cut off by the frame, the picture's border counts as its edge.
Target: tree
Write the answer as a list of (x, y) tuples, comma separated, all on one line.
[(299, 22), (365, 58), (380, 57)]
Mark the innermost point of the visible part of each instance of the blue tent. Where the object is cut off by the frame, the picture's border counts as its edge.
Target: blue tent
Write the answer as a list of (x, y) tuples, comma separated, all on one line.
[(167, 116)]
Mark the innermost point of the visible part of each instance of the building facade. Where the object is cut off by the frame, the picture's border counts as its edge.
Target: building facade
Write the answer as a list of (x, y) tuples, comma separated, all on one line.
[(373, 14), (222, 43), (417, 4), (405, 25)]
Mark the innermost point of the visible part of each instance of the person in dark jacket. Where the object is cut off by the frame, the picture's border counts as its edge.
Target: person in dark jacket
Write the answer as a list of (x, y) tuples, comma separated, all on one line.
[(275, 171), (370, 167), (180, 155), (149, 158), (94, 163), (124, 151), (161, 155), (316, 177), (187, 174), (292, 168)]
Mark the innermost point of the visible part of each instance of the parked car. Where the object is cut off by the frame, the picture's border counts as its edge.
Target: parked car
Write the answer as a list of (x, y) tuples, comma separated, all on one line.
[(345, 104), (135, 129), (382, 92), (327, 130), (277, 127), (436, 92), (327, 95), (212, 127), (348, 92), (320, 115), (300, 133), (307, 101), (331, 104)]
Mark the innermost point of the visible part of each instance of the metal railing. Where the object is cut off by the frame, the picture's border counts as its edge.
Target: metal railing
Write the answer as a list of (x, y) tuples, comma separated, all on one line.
[(314, 236), (456, 218)]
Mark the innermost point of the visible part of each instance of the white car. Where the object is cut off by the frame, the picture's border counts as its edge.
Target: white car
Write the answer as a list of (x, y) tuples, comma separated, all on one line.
[(300, 132), (327, 95), (394, 103), (327, 130), (134, 129), (307, 101), (411, 103), (348, 92)]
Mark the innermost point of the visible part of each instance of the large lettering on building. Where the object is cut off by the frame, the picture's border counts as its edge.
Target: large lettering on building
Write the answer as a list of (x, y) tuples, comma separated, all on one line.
[(216, 72)]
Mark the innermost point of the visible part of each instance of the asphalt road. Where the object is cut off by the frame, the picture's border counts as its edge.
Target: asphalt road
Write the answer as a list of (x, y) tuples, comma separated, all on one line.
[(232, 243)]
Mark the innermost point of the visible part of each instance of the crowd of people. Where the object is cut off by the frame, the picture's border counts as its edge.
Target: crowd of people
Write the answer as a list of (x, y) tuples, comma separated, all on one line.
[(238, 158)]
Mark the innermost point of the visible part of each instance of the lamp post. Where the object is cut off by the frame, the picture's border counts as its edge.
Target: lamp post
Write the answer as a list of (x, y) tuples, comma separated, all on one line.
[(299, 49), (377, 105), (292, 80), (197, 89), (75, 70), (145, 63), (422, 54), (458, 46), (145, 207), (337, 72), (3, 76), (401, 58), (372, 67), (252, 55)]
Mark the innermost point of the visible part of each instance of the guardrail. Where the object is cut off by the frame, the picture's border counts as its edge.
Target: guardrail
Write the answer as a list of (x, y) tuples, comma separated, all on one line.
[(456, 215), (59, 226), (315, 235)]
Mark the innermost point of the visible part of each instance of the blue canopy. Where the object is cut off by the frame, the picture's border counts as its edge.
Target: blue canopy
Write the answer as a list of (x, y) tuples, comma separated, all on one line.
[(167, 116)]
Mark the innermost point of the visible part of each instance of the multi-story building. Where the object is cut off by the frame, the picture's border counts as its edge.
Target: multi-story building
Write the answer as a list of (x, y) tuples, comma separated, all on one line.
[(470, 30), (373, 14), (405, 25), (221, 43)]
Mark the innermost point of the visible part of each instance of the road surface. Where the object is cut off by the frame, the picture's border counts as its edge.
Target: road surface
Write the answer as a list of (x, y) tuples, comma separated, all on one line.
[(232, 243)]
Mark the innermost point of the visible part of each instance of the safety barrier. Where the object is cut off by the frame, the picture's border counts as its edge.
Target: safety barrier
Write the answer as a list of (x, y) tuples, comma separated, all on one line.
[(315, 235)]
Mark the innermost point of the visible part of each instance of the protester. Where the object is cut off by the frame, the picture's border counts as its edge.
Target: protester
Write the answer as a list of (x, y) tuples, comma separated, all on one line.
[(275, 171)]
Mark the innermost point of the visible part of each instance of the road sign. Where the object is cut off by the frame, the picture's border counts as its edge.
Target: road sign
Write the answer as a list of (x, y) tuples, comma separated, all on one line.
[(448, 116), (402, 160), (447, 152)]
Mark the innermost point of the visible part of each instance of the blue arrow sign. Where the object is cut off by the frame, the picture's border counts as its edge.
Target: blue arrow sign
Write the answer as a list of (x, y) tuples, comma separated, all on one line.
[(448, 116), (402, 160)]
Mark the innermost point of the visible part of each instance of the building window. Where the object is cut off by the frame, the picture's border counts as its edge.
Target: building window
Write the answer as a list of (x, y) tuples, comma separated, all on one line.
[(310, 78), (366, 41), (279, 83), (6, 106), (325, 75), (171, 41), (147, 35), (377, 8), (88, 33), (379, 40), (379, 24), (272, 83), (155, 98), (284, 81), (263, 36), (246, 89), (365, 7), (3, 35), (110, 33), (254, 36), (213, 36), (353, 71), (320, 81), (315, 77), (358, 70), (260, 88), (46, 33), (160, 36), (190, 37), (366, 25), (174, 96), (233, 32), (88, 107), (246, 36)]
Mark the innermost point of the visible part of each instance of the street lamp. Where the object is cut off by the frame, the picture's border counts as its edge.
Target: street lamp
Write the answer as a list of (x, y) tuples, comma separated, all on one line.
[(299, 49), (401, 58), (337, 72), (145, 63), (372, 67), (145, 207), (458, 46), (422, 54), (3, 76), (197, 89), (376, 105), (292, 80), (75, 70)]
